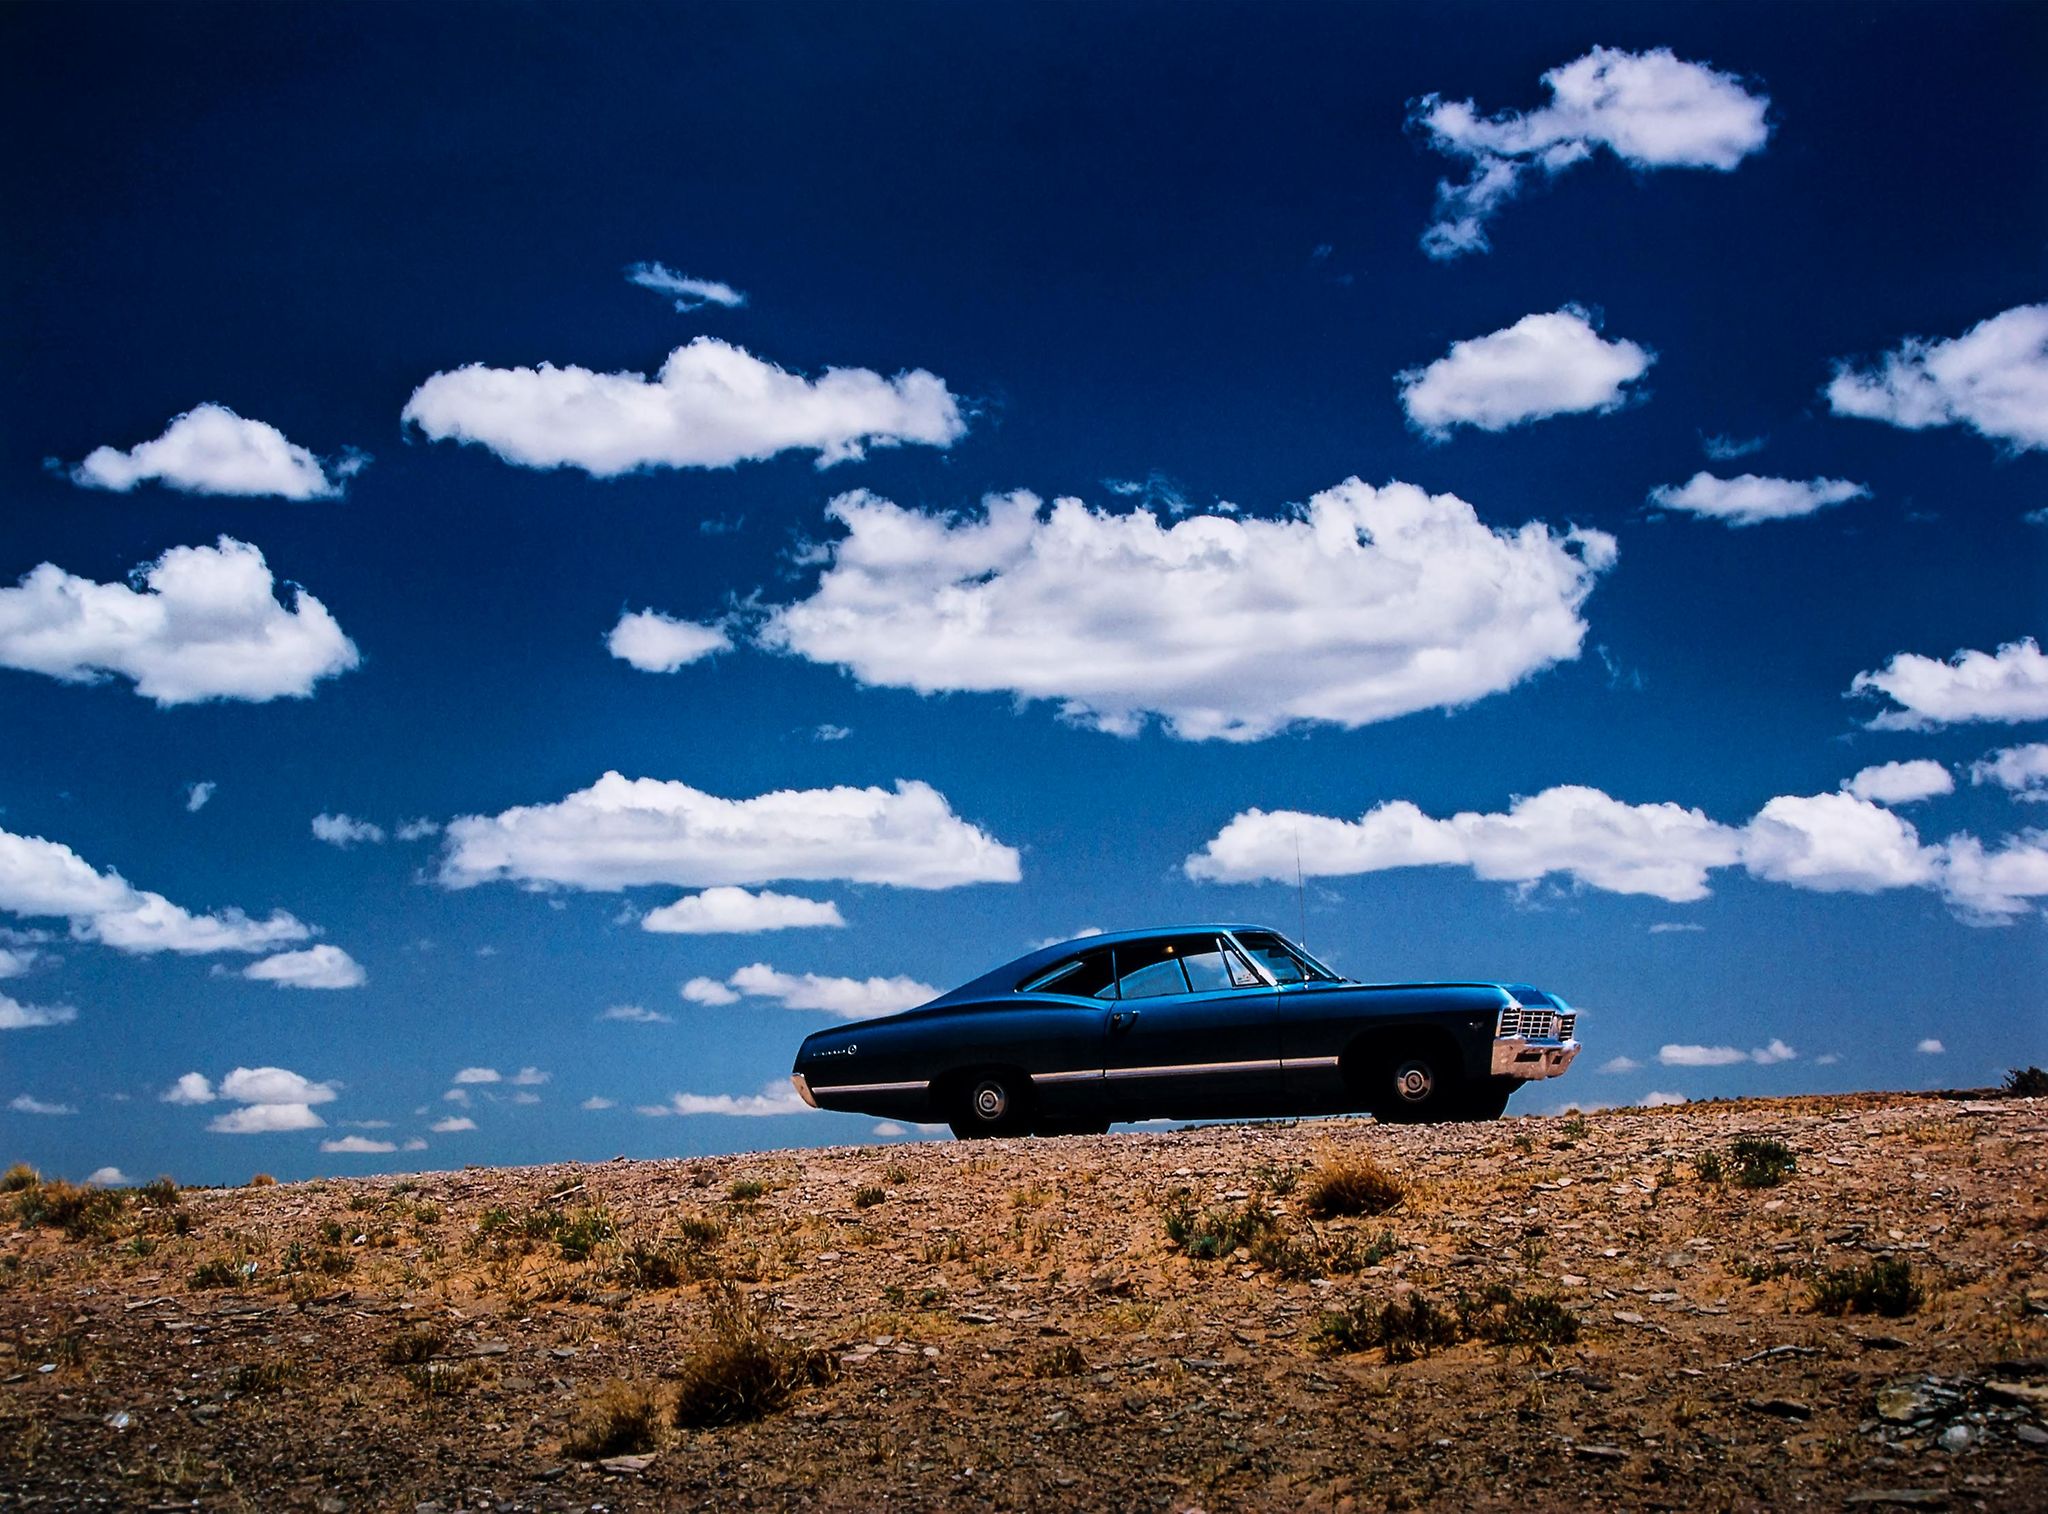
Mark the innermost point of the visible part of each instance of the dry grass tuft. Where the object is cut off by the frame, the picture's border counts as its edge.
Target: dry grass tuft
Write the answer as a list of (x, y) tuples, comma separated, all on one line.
[(1351, 1186), (623, 1420), (746, 1370)]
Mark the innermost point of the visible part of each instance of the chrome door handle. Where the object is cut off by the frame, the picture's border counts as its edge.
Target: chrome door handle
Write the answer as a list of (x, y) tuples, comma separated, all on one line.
[(1122, 1019)]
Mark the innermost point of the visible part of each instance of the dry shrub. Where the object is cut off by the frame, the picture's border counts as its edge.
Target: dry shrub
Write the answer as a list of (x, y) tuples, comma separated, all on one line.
[(746, 1370), (1351, 1186), (1063, 1360), (622, 1420), (262, 1180), (1885, 1286), (18, 1177), (410, 1347)]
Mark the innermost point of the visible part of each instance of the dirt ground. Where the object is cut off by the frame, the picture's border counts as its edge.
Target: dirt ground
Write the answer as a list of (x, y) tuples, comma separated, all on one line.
[(1010, 1325)]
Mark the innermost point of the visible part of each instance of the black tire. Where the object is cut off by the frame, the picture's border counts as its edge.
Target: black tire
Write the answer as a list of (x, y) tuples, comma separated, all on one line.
[(1417, 1085), (1488, 1100), (990, 1104)]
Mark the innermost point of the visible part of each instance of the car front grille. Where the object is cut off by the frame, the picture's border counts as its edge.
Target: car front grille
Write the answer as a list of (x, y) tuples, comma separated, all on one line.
[(1537, 1024)]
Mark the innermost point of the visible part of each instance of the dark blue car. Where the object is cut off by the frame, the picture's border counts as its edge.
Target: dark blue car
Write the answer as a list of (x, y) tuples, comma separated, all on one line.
[(1194, 1022)]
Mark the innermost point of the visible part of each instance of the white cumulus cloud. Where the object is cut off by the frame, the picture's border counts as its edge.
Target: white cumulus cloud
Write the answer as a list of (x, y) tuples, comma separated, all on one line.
[(1650, 109), (2010, 685), (1996, 887), (1837, 843), (1701, 1056), (315, 967), (358, 1146), (773, 1099), (1621, 1064), (621, 832), (707, 991), (1930, 1048), (1901, 782), (1551, 364), (107, 1177), (346, 831), (197, 794), (211, 450), (273, 1099), (15, 1015), (1369, 604), (530, 1077), (2020, 770), (452, 1124), (733, 911), (848, 998), (192, 1088), (637, 1014), (684, 292), (1748, 500), (712, 405), (202, 623), (40, 878), (478, 1075), (28, 1103), (598, 1101), (1993, 378), (1658, 1098), (657, 643)]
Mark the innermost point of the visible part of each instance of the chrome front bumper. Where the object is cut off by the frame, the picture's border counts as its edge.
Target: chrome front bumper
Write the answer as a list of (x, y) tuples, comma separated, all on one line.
[(1520, 1057)]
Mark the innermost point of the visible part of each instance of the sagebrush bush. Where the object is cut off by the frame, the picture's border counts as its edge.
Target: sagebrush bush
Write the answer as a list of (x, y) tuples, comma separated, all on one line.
[(1351, 1186), (1885, 1286), (745, 1370), (622, 1420)]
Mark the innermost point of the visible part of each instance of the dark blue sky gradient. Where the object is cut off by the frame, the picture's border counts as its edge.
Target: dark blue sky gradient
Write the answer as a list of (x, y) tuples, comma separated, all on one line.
[(1097, 223)]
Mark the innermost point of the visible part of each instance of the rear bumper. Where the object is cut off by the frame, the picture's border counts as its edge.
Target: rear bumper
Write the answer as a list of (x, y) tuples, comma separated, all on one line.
[(803, 1089), (1520, 1057)]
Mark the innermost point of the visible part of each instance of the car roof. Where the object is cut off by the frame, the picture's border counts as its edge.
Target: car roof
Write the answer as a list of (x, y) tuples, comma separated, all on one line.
[(1004, 979)]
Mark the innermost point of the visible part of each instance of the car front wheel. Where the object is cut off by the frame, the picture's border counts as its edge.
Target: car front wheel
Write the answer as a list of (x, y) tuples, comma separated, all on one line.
[(1417, 1086)]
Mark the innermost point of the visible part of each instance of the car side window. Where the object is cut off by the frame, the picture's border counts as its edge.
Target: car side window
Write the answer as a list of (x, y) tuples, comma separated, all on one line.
[(1217, 969), (1091, 975), (1154, 981)]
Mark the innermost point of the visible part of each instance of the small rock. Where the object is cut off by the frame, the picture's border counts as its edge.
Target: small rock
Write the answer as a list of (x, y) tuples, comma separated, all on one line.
[(1627, 1317), (2033, 1435), (631, 1466), (1955, 1438), (1600, 1453), (1784, 1408), (329, 1504)]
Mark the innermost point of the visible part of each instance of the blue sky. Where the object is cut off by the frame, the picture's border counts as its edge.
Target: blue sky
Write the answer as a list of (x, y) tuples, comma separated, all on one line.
[(976, 474)]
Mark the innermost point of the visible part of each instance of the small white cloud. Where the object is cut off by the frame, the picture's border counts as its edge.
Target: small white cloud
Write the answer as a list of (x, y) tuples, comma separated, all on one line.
[(620, 832), (2020, 770), (274, 1085), (708, 991), (1543, 365), (1777, 1051), (848, 998), (265, 1119), (345, 831), (1621, 1064), (416, 830), (107, 1177), (599, 1101), (831, 733), (1676, 927), (15, 1015), (452, 1124), (1749, 499), (196, 795), (635, 1014), (1827, 1059), (358, 1146), (1993, 379), (14, 962), (687, 293), (1995, 887), (192, 1088), (1701, 1056), (712, 405), (1930, 1047), (457, 1096), (211, 450), (525, 1096), (773, 1099), (1900, 782), (415, 1144), (29, 1104), (657, 643), (530, 1077), (889, 1129), (727, 910), (1723, 449), (1364, 605), (204, 624), (2010, 685), (1650, 109), (368, 1124), (477, 1075), (1658, 1099), (315, 967)]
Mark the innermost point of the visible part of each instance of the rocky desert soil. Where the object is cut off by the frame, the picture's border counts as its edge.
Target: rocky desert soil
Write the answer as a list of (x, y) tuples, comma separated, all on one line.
[(1010, 1325)]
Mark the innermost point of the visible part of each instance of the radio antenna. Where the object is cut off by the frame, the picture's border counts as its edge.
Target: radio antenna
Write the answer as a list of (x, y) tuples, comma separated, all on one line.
[(1300, 890)]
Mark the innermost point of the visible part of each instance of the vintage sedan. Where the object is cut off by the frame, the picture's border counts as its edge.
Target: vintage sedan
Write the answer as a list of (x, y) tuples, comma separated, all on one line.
[(1195, 1022)]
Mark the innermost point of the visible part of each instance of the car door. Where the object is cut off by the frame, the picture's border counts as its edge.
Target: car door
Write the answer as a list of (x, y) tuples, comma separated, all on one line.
[(1192, 1032)]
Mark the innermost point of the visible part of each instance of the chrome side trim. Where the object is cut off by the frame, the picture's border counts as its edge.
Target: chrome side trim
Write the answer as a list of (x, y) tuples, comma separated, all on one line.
[(918, 1083), (1292, 1064), (1079, 1076), (1520, 1057), (803, 1088), (1269, 1065)]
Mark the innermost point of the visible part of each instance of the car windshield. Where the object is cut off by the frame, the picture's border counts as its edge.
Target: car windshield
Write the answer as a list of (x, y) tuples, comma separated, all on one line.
[(1287, 962)]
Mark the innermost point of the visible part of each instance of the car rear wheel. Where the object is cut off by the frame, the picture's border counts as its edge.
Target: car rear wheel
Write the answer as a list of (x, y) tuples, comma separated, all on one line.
[(990, 1104), (1416, 1085)]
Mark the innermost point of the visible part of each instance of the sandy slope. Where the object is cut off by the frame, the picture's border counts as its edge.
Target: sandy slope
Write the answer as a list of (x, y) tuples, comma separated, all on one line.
[(1701, 1376)]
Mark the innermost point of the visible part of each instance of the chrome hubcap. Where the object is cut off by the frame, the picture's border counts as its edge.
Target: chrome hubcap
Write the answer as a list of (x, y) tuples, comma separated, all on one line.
[(989, 1101), (1413, 1081)]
